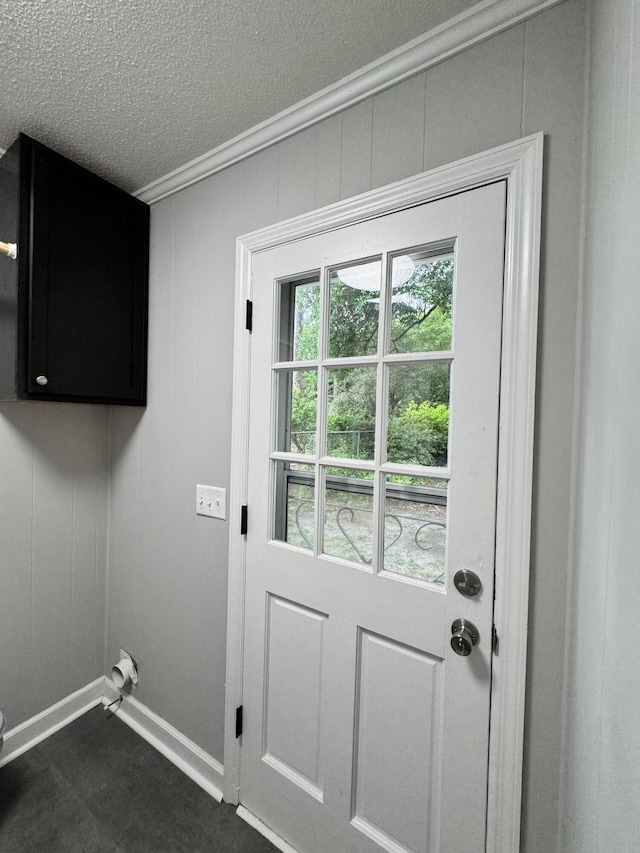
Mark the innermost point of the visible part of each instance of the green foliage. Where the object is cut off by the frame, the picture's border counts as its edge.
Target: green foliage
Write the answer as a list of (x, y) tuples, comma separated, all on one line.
[(353, 322), (421, 309), (418, 395), (307, 321), (351, 413), (419, 435)]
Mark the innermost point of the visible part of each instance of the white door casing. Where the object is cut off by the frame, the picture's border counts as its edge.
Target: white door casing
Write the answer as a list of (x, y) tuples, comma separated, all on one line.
[(520, 165)]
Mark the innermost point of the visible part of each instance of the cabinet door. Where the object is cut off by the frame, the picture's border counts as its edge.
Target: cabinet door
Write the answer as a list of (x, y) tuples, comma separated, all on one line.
[(88, 286)]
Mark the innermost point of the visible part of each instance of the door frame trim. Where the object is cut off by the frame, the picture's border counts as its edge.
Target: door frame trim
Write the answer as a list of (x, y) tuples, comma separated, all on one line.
[(520, 164)]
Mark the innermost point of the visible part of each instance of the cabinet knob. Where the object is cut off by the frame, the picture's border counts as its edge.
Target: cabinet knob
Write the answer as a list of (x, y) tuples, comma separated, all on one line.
[(42, 380)]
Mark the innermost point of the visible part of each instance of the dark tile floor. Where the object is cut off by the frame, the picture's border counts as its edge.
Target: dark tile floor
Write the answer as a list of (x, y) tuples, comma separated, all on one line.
[(97, 787)]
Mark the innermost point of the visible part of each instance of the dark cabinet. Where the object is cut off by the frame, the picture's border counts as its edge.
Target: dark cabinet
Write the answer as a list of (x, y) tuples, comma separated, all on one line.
[(73, 306)]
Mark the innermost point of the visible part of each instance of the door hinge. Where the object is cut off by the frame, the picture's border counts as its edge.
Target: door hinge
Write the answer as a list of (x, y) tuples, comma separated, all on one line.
[(494, 640), (238, 720), (244, 514), (249, 316)]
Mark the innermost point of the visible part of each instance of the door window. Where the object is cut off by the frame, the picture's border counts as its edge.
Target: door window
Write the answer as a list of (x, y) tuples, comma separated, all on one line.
[(362, 377)]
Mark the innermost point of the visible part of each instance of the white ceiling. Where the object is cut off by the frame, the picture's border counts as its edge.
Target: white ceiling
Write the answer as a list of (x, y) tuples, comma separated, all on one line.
[(136, 88)]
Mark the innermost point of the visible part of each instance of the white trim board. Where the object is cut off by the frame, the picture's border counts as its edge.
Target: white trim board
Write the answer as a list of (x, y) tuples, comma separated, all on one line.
[(184, 753), (485, 19), (33, 731), (520, 164)]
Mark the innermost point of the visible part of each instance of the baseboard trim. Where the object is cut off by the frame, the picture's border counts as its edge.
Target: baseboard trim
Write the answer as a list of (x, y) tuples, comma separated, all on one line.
[(480, 22), (184, 753), (36, 729), (263, 829)]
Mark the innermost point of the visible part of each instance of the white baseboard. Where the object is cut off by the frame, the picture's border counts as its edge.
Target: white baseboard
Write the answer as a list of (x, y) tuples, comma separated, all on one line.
[(263, 829), (186, 755), (38, 728)]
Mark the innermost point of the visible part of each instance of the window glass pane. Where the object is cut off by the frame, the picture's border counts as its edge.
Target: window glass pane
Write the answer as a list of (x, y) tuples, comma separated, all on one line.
[(354, 306), (422, 290), (418, 427), (348, 526), (297, 392), (295, 502), (299, 320), (351, 412), (415, 533)]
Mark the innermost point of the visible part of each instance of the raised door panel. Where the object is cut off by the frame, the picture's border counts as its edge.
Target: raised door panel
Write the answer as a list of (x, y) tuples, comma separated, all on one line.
[(399, 693), (293, 693)]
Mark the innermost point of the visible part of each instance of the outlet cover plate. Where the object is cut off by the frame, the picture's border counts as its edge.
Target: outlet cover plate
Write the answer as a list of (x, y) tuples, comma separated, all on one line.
[(211, 501)]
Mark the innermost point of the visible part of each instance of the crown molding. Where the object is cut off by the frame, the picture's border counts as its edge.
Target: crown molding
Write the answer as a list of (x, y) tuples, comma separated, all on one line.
[(479, 23)]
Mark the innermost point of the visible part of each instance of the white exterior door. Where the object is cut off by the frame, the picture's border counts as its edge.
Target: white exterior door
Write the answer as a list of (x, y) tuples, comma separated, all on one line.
[(373, 448)]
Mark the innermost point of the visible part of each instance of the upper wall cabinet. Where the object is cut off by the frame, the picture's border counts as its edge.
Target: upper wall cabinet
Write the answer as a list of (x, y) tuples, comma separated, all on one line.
[(73, 306)]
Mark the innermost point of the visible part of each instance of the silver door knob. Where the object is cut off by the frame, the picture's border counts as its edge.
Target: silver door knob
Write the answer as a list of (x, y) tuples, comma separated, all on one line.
[(42, 380), (467, 583), (464, 636)]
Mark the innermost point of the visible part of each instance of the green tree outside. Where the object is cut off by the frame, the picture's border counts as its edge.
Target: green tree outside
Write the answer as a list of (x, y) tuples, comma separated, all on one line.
[(418, 394)]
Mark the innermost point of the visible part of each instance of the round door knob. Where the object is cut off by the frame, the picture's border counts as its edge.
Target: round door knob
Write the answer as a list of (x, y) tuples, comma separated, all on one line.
[(464, 636), (42, 380), (467, 583)]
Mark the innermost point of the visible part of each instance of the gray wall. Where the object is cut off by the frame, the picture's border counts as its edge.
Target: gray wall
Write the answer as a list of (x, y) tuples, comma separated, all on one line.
[(53, 521), (601, 774), (168, 568)]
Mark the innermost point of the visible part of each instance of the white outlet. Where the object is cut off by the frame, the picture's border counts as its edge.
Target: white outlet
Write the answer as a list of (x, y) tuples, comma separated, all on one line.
[(211, 501)]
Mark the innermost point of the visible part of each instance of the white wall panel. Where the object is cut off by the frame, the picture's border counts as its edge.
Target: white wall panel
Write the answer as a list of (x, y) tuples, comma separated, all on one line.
[(479, 90), (601, 781), (53, 497), (398, 132), (357, 140), (296, 174), (16, 531), (328, 167), (554, 49)]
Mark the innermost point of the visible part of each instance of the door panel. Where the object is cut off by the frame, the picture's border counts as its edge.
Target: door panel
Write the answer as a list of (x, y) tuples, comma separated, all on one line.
[(388, 672), (293, 692), (364, 730)]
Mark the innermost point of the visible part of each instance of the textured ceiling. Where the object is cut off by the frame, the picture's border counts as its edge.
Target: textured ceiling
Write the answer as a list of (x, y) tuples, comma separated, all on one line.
[(136, 88)]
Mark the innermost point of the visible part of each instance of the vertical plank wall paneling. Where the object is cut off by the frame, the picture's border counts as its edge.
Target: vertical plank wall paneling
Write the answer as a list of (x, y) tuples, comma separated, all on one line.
[(601, 775), (16, 531), (397, 149), (357, 141), (296, 174), (457, 98), (328, 171), (168, 574), (53, 521), (554, 50)]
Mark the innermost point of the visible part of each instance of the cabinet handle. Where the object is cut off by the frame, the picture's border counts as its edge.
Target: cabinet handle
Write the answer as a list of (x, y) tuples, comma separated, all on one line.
[(42, 380)]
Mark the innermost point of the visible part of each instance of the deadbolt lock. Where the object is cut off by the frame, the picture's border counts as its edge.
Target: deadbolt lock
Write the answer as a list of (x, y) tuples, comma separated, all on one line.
[(467, 583)]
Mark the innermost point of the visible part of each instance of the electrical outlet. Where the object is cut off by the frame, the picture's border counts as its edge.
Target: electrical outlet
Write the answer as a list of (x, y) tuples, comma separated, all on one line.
[(211, 501)]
